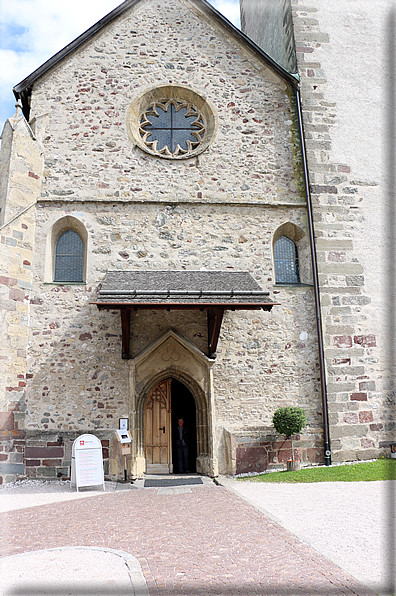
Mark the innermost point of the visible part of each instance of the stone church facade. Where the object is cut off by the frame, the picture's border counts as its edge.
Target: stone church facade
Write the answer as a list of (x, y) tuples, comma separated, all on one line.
[(156, 254)]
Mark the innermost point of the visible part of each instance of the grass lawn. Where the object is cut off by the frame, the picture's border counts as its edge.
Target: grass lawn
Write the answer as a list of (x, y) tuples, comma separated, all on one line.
[(381, 469)]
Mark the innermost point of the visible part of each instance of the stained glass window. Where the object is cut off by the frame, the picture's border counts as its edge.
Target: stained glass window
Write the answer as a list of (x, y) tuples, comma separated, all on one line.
[(69, 257), (287, 270)]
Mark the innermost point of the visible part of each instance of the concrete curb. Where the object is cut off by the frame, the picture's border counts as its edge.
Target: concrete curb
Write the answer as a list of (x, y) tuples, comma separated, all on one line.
[(129, 576)]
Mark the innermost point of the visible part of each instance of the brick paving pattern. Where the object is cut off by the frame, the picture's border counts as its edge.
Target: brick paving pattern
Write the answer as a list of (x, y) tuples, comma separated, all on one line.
[(203, 542)]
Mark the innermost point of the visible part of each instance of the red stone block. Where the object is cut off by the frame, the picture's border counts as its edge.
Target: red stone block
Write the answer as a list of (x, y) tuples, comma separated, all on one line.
[(51, 462), (8, 281), (43, 452), (6, 421), (105, 453), (366, 341), (32, 175), (367, 443), (336, 257), (105, 443), (342, 341), (284, 455), (366, 417), (33, 462), (376, 427), (85, 336), (345, 169), (358, 396), (351, 418), (3, 457), (17, 295), (304, 50), (52, 444)]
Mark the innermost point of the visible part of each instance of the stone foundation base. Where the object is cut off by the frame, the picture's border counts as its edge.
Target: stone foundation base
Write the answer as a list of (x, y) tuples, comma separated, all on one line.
[(48, 454), (260, 450)]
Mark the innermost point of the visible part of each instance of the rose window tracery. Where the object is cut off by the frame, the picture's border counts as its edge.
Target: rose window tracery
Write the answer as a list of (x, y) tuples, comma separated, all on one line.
[(172, 128)]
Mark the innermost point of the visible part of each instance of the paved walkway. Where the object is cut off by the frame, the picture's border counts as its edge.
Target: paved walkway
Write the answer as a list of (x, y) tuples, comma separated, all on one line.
[(350, 523), (192, 541)]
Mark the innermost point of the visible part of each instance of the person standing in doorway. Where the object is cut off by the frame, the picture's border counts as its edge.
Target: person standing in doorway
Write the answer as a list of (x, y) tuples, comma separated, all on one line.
[(182, 446)]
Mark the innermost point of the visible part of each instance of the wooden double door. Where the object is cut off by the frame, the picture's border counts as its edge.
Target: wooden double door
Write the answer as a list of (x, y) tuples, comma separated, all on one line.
[(158, 429), (166, 402)]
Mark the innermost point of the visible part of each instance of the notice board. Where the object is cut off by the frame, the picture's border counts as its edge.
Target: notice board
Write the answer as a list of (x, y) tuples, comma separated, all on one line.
[(87, 462)]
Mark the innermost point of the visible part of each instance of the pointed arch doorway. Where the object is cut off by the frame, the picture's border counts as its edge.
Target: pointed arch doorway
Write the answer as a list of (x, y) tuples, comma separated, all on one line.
[(168, 401)]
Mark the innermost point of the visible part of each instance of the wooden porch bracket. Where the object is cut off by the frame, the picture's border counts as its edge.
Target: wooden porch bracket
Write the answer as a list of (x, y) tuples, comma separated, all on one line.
[(126, 332), (215, 318)]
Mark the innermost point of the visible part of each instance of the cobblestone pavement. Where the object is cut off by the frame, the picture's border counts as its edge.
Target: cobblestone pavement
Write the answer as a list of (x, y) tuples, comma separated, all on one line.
[(189, 541)]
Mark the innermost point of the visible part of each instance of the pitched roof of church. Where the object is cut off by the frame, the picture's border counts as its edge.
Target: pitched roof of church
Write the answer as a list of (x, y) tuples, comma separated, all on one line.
[(23, 89), (171, 288)]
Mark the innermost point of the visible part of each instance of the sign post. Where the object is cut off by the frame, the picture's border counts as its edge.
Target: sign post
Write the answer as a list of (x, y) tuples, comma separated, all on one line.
[(124, 436), (87, 462)]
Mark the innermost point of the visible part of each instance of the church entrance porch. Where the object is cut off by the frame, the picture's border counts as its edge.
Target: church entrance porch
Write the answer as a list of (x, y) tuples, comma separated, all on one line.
[(167, 402), (171, 379)]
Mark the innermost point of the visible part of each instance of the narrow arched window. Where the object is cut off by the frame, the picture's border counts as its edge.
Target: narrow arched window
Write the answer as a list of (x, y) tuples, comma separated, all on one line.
[(69, 258), (287, 270)]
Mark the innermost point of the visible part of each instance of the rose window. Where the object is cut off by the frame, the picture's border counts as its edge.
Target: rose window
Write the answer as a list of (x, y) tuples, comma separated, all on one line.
[(172, 128)]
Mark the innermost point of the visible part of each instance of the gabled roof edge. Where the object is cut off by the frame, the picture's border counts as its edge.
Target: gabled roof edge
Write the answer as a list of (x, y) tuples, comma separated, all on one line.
[(292, 78), (22, 89), (76, 43)]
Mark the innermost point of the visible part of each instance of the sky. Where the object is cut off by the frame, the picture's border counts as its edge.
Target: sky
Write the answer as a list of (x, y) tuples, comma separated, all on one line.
[(31, 31)]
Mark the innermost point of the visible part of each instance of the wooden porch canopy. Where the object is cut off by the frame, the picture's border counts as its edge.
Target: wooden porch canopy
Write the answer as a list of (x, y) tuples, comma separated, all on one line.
[(213, 291)]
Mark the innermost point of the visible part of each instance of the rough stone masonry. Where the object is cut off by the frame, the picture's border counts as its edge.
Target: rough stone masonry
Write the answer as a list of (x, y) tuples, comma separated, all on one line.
[(74, 166)]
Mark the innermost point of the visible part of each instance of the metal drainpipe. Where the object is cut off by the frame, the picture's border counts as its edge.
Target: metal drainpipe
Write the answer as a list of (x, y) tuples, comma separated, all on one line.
[(326, 434)]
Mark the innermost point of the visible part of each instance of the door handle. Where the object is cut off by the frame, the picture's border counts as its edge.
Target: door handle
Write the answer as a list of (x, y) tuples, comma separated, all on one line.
[(163, 429)]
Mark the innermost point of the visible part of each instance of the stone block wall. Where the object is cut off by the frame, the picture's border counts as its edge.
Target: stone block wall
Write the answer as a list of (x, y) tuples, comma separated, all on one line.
[(348, 189), (20, 167), (48, 455), (12, 446), (344, 146)]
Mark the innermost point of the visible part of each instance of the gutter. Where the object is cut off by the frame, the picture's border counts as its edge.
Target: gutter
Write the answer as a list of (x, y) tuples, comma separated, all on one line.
[(326, 433)]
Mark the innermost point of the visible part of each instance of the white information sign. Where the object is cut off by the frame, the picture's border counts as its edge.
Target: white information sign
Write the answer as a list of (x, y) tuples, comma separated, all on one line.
[(87, 462), (124, 436)]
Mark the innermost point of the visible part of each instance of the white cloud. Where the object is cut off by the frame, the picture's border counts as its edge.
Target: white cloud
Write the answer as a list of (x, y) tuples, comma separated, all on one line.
[(229, 8), (31, 31)]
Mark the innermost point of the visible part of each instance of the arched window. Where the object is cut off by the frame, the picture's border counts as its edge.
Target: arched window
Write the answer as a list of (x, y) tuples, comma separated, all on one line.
[(69, 258), (287, 270)]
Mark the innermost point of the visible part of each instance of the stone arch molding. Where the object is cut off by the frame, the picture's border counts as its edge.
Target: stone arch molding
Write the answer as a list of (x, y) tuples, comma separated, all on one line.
[(301, 240), (173, 356), (61, 225)]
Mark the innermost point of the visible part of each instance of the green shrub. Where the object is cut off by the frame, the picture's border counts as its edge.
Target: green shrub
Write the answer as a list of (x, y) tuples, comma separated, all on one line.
[(289, 421)]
